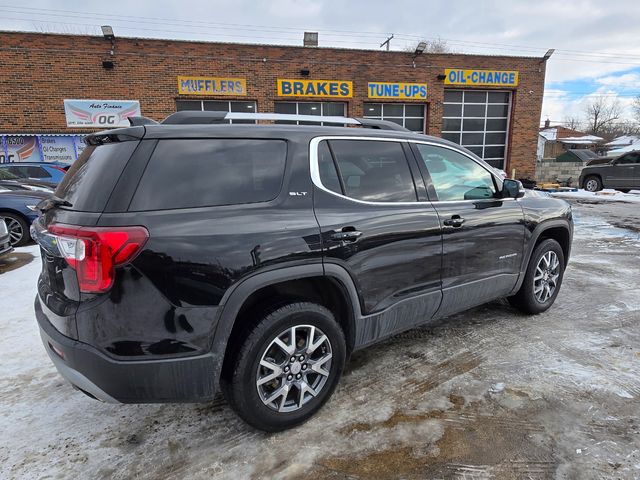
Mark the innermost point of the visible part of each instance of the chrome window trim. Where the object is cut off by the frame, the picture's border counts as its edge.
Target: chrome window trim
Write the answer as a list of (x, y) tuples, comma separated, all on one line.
[(317, 182)]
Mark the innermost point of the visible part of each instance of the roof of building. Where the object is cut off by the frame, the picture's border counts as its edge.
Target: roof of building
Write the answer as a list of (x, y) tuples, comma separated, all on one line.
[(552, 134), (583, 140), (582, 153), (628, 148), (623, 140)]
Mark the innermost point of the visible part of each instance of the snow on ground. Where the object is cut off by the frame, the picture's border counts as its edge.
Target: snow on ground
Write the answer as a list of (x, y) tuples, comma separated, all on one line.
[(489, 393), (606, 195)]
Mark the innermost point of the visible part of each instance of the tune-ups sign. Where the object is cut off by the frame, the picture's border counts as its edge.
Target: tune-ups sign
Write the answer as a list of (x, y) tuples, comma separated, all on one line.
[(100, 113)]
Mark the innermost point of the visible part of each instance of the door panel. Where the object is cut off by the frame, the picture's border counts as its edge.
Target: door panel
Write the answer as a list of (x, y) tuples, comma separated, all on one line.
[(392, 247), (483, 236)]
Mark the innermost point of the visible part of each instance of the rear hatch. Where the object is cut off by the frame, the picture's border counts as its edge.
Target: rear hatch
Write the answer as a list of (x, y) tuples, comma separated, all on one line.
[(66, 230)]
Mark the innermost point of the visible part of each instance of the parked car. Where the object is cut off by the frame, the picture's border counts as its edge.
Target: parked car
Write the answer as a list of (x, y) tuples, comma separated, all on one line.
[(5, 240), (185, 257), (621, 173), (47, 172), (11, 182), (18, 207)]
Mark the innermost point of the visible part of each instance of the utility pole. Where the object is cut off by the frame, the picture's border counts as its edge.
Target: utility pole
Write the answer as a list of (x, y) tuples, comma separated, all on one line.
[(387, 42)]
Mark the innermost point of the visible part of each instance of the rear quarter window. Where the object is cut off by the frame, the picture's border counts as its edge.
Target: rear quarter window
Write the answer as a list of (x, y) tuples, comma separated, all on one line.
[(212, 172), (90, 180)]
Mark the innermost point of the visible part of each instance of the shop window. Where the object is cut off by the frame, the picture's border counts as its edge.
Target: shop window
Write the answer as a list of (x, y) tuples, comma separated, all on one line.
[(325, 109), (218, 106), (478, 120), (409, 115)]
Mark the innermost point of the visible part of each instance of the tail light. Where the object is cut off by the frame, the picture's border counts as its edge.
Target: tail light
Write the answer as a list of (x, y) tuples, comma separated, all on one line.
[(94, 252)]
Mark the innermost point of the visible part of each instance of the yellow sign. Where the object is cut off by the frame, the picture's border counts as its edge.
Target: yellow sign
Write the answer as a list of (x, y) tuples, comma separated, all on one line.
[(402, 91), (211, 86), (481, 78), (314, 88)]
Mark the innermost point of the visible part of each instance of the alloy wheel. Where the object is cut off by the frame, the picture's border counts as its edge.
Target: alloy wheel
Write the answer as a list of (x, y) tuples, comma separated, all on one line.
[(591, 185), (294, 368), (546, 277), (15, 230)]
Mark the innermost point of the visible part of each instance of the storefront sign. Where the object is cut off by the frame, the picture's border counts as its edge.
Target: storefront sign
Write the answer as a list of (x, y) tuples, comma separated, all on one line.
[(481, 78), (40, 148), (100, 113), (315, 88), (401, 91), (211, 86)]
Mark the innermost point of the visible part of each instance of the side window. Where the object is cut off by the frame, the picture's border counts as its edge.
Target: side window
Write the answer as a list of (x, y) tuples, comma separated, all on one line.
[(373, 171), (205, 173), (629, 159), (37, 172), (456, 176), (18, 171), (328, 173)]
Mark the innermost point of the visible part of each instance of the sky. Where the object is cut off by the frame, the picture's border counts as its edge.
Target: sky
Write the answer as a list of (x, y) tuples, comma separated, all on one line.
[(597, 43)]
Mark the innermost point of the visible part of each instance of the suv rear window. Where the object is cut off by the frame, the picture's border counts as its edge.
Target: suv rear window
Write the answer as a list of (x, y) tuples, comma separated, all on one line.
[(205, 173), (91, 179)]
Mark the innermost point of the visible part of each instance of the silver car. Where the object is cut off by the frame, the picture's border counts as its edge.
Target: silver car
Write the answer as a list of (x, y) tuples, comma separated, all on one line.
[(5, 241)]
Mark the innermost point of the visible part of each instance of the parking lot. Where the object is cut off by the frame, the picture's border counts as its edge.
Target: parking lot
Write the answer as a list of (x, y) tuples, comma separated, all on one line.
[(488, 393)]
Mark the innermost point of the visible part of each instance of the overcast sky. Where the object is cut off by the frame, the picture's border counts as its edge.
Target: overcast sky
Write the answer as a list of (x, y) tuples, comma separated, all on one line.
[(597, 42)]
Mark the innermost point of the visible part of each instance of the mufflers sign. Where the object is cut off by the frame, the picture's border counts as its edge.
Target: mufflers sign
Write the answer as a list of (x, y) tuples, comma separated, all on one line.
[(211, 86), (315, 88)]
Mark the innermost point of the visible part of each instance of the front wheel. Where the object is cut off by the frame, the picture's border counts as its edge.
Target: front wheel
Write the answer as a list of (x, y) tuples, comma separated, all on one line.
[(287, 367), (18, 229), (542, 280), (592, 184)]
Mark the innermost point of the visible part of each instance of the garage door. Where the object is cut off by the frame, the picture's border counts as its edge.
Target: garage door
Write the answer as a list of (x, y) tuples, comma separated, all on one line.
[(478, 120)]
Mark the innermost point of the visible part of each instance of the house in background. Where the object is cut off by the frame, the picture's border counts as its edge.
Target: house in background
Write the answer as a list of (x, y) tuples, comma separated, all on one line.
[(554, 141), (623, 144)]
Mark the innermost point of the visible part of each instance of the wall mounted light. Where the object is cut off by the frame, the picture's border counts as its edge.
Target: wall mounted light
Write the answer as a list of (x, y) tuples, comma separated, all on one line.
[(305, 72), (441, 76)]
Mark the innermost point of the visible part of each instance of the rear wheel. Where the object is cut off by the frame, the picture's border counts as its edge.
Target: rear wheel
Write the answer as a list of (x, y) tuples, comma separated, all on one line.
[(592, 184), (542, 280), (18, 229), (287, 367)]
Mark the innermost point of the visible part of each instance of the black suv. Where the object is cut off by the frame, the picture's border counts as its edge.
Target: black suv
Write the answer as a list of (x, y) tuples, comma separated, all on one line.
[(621, 173), (181, 257)]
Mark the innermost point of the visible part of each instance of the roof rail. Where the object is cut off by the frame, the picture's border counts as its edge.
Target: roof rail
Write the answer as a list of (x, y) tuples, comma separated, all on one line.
[(137, 121), (196, 117)]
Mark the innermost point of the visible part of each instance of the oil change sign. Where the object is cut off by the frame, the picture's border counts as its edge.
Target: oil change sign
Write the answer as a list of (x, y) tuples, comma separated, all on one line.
[(481, 78), (401, 91), (211, 86), (315, 88)]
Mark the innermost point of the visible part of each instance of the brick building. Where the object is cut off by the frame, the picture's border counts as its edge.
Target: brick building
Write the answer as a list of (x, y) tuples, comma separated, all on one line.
[(56, 88)]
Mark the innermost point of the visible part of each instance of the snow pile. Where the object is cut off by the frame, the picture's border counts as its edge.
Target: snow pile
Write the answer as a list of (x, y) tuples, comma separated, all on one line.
[(606, 195)]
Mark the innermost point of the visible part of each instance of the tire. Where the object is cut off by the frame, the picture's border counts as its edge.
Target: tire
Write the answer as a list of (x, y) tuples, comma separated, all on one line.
[(293, 407), (529, 299), (592, 183), (18, 229), (624, 190)]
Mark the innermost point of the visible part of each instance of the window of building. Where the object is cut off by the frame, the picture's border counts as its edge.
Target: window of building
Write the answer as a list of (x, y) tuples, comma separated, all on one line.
[(199, 173), (218, 106), (325, 109), (479, 121), (456, 176), (408, 115), (368, 170)]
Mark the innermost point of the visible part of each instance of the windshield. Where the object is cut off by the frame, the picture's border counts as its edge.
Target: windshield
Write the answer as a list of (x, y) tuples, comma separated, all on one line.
[(7, 175)]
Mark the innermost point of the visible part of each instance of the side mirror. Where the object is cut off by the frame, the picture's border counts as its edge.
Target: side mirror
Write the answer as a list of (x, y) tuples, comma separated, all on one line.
[(512, 188)]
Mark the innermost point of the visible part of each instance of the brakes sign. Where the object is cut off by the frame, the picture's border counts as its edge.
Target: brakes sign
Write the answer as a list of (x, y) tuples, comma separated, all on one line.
[(315, 88)]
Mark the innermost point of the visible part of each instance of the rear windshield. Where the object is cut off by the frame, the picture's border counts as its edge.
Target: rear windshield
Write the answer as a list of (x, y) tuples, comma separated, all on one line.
[(200, 173), (91, 179)]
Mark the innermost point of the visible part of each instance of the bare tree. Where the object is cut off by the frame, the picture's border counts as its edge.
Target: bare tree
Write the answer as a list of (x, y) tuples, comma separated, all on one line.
[(574, 123), (601, 114), (635, 108), (437, 45)]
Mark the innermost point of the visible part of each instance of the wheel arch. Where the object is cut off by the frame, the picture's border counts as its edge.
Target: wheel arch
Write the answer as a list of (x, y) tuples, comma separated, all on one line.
[(331, 287), (559, 230)]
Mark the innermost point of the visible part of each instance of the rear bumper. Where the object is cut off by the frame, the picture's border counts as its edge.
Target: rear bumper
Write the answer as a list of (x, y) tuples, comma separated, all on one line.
[(187, 379)]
